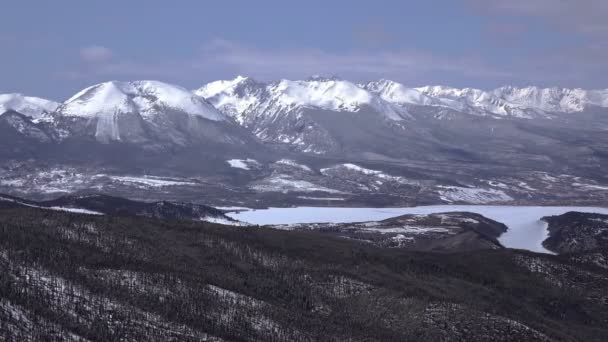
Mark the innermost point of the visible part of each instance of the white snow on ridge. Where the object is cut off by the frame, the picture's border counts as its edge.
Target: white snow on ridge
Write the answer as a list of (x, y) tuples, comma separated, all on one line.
[(232, 208), (361, 169), (74, 210), (148, 181), (216, 87), (33, 107), (244, 164), (67, 209), (335, 95), (224, 221)]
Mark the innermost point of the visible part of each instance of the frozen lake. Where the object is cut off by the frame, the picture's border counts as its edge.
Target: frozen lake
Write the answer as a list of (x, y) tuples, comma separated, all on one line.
[(526, 231)]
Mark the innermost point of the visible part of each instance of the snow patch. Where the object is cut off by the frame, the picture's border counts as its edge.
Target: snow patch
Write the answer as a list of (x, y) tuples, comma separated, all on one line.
[(244, 164), (472, 195)]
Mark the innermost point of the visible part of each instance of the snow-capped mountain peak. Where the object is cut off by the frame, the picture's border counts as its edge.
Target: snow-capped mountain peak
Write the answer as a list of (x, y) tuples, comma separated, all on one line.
[(222, 86), (147, 98), (33, 107), (326, 94), (234, 97)]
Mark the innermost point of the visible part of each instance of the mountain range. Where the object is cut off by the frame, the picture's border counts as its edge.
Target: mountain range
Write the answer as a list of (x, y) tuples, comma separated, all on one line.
[(431, 144)]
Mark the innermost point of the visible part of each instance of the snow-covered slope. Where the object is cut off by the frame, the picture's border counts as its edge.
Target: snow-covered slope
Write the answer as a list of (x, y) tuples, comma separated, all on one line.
[(147, 98), (528, 102), (33, 107), (132, 111)]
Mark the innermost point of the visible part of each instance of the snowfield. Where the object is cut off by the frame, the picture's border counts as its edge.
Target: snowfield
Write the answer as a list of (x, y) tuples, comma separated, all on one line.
[(526, 230)]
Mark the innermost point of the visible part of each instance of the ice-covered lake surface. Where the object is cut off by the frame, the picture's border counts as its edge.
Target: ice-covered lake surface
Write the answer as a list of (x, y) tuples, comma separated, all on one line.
[(526, 230)]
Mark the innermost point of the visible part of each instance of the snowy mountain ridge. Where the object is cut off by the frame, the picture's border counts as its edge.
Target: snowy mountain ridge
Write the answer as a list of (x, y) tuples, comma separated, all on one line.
[(244, 96), (526, 102), (33, 107)]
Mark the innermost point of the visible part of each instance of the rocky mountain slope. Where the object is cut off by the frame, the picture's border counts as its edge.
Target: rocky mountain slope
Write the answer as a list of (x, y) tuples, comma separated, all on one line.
[(76, 277)]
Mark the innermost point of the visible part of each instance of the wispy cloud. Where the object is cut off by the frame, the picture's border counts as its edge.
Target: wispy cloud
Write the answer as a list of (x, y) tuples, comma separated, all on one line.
[(302, 62), (95, 53), (586, 17), (223, 57), (374, 34)]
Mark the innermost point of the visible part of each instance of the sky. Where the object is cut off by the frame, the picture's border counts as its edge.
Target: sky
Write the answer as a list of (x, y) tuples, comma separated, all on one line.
[(52, 49)]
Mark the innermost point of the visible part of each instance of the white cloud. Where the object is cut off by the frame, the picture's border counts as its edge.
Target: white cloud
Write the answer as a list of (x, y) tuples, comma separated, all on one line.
[(96, 53)]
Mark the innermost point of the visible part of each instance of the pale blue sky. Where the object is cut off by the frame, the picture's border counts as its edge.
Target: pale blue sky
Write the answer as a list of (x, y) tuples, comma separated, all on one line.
[(54, 48)]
